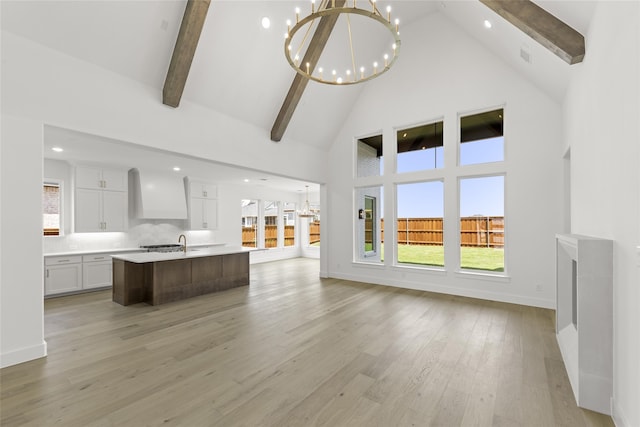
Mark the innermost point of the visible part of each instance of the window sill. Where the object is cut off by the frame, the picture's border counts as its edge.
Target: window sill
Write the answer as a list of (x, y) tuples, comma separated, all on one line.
[(440, 271), (492, 277), (368, 264)]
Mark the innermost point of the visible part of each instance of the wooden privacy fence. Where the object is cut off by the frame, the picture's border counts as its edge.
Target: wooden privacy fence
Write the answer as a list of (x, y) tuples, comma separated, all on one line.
[(314, 232), (476, 231), (249, 239)]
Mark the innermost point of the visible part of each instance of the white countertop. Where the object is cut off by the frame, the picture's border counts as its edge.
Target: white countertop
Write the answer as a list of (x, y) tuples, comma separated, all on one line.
[(140, 258), (93, 251), (120, 250)]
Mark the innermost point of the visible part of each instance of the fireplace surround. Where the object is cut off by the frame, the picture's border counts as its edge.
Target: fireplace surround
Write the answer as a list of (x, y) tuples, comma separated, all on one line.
[(584, 317)]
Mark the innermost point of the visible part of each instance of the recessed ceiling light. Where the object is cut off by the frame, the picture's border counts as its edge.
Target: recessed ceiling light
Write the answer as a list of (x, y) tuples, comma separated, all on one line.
[(57, 149), (266, 22), (246, 180), (487, 24), (176, 168)]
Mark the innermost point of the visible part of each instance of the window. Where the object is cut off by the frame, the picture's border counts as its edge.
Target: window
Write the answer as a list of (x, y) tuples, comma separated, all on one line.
[(423, 183), (482, 223), (270, 224), (370, 156), (289, 220), (420, 213), (250, 223), (482, 137), (370, 226), (369, 223), (52, 208), (420, 148)]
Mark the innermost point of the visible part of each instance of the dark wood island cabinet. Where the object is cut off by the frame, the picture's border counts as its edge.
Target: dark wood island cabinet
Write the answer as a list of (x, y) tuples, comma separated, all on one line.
[(158, 278)]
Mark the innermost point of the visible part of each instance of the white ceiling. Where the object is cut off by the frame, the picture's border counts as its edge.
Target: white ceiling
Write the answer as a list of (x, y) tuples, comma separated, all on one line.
[(82, 148), (239, 68)]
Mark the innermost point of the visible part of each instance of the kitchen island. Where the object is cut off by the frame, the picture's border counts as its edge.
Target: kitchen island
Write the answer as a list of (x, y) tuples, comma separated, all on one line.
[(157, 278)]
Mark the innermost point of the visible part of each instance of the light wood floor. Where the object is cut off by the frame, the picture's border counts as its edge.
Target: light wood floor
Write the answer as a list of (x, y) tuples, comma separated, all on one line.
[(294, 350)]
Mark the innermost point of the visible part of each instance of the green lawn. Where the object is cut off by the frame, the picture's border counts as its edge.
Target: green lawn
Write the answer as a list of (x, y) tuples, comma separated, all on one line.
[(471, 258)]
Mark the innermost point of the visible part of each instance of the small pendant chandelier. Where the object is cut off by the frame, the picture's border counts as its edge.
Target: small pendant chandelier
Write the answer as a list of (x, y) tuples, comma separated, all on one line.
[(306, 211)]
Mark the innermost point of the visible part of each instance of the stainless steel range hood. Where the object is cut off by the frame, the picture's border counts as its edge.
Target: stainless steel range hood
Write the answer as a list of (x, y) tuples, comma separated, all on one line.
[(157, 195)]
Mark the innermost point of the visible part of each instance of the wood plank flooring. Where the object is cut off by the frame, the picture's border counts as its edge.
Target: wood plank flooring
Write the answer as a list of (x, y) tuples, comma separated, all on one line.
[(295, 350)]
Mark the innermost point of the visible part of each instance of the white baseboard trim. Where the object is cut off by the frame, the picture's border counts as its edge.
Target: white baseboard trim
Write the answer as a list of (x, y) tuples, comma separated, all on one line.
[(463, 292), (619, 419), (23, 355)]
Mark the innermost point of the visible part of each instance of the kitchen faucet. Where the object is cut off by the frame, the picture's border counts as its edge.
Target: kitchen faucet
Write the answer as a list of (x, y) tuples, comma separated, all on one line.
[(184, 247)]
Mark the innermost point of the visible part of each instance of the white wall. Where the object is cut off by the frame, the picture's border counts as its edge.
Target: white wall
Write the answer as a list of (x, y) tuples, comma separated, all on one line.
[(442, 72), (63, 91), (21, 280), (602, 111)]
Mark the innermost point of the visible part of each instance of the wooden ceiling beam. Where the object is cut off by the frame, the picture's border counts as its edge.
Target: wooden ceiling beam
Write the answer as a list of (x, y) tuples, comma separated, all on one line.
[(184, 50), (311, 56), (546, 29)]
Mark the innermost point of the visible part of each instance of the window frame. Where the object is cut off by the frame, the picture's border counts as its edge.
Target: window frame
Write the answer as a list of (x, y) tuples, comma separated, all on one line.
[(367, 257), (55, 182), (436, 121), (479, 272), (396, 261), (459, 142)]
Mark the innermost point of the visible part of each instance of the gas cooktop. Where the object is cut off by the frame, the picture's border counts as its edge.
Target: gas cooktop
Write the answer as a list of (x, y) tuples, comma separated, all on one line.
[(168, 247)]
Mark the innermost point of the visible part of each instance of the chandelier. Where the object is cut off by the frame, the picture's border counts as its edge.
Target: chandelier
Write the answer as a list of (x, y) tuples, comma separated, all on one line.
[(350, 71), (306, 211)]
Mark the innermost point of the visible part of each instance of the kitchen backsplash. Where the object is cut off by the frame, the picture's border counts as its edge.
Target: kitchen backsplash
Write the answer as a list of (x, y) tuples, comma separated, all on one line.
[(147, 232)]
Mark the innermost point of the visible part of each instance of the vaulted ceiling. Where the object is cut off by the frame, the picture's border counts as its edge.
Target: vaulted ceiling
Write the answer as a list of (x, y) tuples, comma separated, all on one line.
[(239, 67)]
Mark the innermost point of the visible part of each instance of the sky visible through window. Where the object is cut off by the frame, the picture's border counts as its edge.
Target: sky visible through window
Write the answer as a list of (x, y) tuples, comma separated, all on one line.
[(483, 196)]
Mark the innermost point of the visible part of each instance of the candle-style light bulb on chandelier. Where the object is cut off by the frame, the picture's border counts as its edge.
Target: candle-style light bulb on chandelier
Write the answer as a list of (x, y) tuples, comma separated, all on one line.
[(353, 71), (306, 211)]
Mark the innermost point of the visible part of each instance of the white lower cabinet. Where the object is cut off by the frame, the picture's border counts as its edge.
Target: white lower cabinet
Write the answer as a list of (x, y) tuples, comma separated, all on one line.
[(96, 271), (65, 274), (62, 274)]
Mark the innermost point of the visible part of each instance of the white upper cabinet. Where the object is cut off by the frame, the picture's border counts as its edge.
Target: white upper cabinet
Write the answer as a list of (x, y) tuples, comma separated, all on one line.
[(203, 205), (114, 210), (204, 190), (100, 200), (88, 211), (100, 178), (204, 214)]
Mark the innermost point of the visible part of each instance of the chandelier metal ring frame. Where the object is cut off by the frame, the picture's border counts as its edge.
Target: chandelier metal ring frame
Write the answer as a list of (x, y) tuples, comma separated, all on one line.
[(308, 70)]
